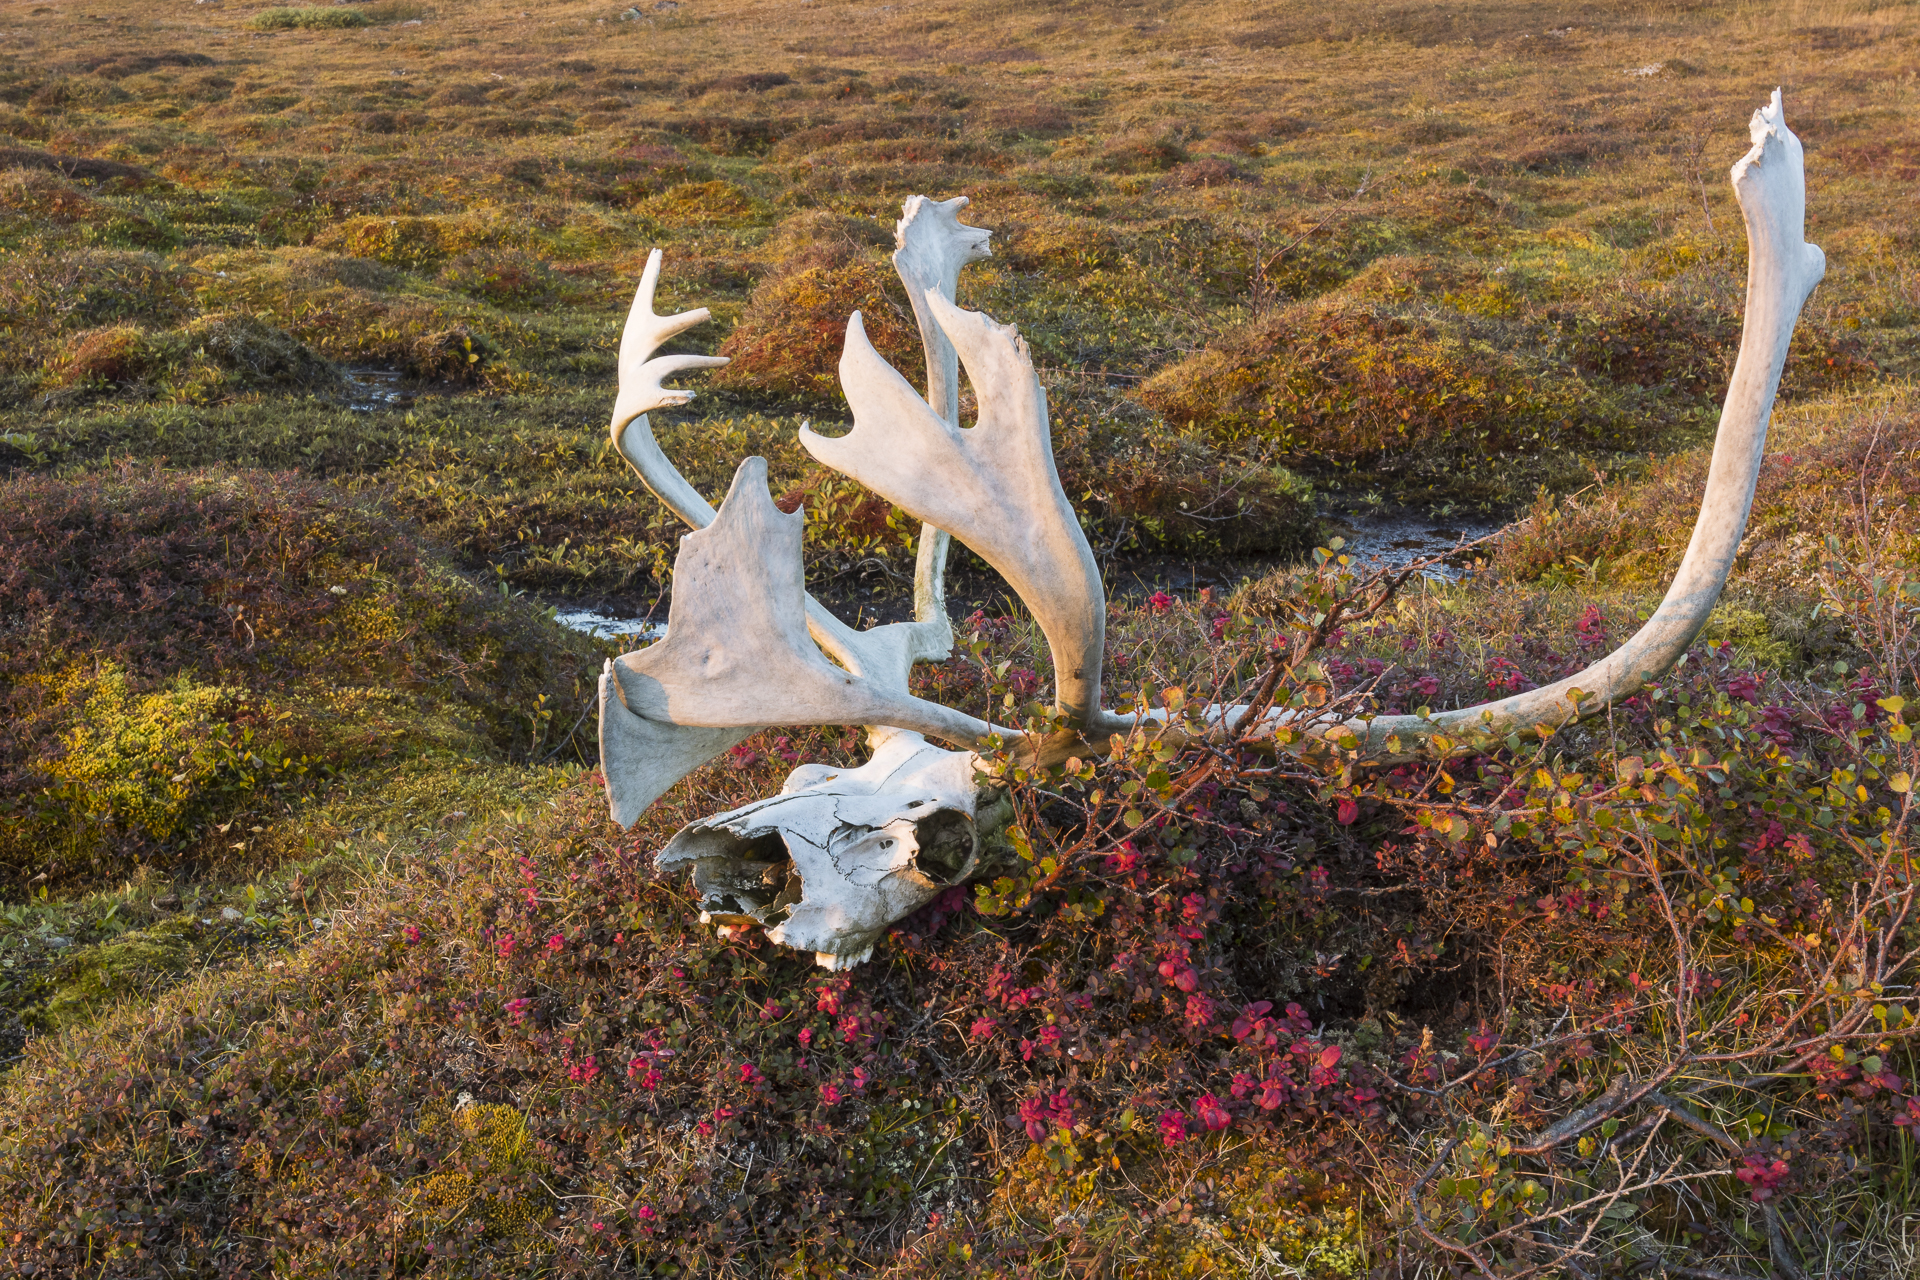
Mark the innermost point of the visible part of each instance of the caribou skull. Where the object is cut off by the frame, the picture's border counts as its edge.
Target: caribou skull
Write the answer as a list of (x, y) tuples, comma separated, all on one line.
[(839, 855)]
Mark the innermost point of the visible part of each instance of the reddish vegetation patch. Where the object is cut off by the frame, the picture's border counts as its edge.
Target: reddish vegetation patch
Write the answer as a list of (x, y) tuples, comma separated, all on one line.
[(788, 342), (113, 353)]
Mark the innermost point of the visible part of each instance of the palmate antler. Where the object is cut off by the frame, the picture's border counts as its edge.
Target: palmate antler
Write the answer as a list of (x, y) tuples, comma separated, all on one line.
[(666, 710), (737, 656)]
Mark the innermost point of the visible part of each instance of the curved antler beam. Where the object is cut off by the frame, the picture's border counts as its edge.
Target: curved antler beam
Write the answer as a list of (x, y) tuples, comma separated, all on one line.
[(1782, 270), (993, 485)]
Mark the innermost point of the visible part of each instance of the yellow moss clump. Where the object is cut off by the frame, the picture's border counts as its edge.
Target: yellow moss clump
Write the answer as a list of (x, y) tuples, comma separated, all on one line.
[(1245, 1212), (144, 760), (492, 1151), (1751, 634), (703, 203), (407, 243)]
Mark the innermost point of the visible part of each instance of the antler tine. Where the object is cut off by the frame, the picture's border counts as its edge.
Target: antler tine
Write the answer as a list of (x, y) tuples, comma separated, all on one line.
[(641, 393), (931, 245), (993, 486)]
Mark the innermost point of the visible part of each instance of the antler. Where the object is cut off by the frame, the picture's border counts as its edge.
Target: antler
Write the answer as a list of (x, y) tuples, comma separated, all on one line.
[(932, 244), (641, 393), (1782, 270), (993, 486), (736, 653)]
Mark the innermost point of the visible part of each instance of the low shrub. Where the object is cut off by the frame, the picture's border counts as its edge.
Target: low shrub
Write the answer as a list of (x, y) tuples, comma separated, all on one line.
[(213, 355), (503, 277), (162, 632), (786, 345), (310, 18), (701, 203), (1142, 153), (1635, 531), (1357, 382)]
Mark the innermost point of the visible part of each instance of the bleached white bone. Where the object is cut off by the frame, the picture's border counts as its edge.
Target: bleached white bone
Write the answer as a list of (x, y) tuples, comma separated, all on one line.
[(737, 653), (993, 486), (887, 657), (1782, 270), (839, 854), (931, 244)]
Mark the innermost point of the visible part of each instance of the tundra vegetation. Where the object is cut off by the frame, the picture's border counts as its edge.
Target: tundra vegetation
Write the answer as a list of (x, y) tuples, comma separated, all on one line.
[(319, 957)]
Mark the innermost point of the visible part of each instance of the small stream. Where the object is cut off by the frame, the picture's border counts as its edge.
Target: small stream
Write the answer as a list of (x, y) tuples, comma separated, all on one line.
[(1392, 539), (370, 389), (607, 627), (1401, 537)]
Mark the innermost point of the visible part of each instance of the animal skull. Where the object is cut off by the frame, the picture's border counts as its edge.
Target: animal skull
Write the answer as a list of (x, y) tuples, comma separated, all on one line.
[(840, 854)]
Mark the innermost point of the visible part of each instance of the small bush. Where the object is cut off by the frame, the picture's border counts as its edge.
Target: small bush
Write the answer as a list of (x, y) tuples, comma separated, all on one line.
[(788, 341), (1208, 171), (503, 277), (1142, 153), (213, 355), (309, 18), (256, 354), (460, 354), (115, 353), (1350, 381), (713, 203), (410, 243)]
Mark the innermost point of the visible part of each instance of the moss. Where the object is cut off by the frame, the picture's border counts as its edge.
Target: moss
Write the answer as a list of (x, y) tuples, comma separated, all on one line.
[(309, 18), (132, 964), (141, 760), (1259, 1213), (494, 1174), (715, 203), (1750, 632)]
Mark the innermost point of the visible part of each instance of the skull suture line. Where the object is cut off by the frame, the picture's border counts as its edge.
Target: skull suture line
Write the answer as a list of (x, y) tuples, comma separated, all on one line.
[(840, 854)]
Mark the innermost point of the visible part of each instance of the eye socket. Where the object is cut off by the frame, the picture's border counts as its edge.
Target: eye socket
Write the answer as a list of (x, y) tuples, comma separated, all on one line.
[(946, 845)]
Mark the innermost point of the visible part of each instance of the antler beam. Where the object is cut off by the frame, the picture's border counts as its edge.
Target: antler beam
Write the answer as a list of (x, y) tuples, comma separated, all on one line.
[(1782, 270)]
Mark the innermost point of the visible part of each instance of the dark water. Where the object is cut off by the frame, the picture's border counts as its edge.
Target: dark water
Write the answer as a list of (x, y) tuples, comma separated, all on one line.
[(369, 389)]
